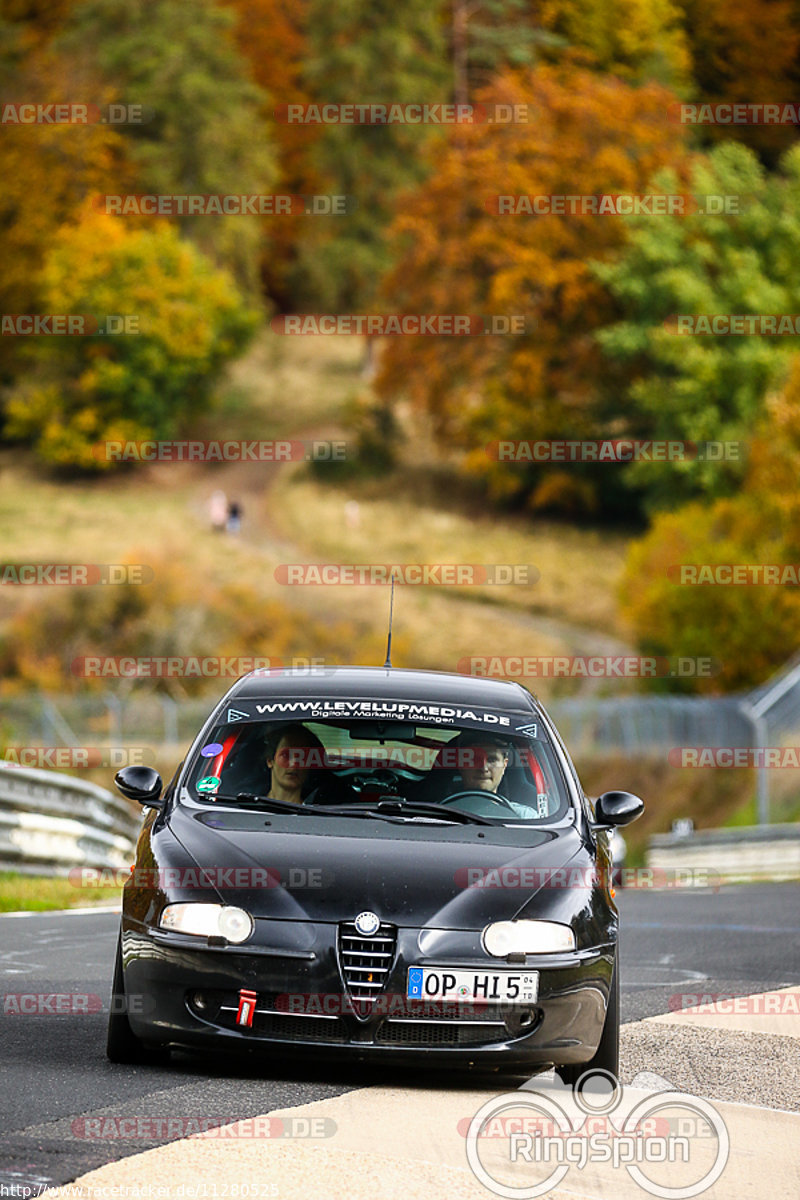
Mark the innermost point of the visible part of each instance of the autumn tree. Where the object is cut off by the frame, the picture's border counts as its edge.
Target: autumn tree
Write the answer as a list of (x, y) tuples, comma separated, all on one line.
[(636, 39), (461, 254), (272, 35), (745, 51), (749, 630), (47, 171), (146, 379)]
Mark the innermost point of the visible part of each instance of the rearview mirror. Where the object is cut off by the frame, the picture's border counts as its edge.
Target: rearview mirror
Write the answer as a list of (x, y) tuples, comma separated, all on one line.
[(142, 784), (617, 808)]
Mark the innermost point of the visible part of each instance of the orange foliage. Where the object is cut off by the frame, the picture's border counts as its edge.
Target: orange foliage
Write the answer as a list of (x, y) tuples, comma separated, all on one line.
[(588, 134), (271, 36)]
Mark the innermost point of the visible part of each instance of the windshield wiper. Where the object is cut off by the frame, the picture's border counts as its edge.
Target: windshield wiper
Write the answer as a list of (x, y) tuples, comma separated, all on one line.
[(402, 808), (250, 800), (384, 808)]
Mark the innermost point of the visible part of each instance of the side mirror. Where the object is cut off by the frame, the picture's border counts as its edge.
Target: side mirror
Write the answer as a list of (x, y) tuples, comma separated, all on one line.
[(142, 784), (615, 808)]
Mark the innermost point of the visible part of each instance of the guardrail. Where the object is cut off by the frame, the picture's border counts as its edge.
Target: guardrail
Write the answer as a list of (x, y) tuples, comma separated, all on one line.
[(745, 854), (50, 823)]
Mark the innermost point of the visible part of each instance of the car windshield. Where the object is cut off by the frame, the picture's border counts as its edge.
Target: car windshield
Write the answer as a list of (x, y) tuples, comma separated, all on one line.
[(360, 765)]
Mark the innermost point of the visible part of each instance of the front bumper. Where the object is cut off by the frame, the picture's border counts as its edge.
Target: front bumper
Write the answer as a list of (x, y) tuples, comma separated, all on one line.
[(191, 998)]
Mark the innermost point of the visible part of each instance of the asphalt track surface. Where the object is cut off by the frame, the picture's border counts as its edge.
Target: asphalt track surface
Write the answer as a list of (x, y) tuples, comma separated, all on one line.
[(737, 940)]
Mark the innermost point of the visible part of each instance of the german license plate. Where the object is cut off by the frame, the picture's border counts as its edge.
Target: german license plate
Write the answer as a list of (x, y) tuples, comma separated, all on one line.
[(438, 983)]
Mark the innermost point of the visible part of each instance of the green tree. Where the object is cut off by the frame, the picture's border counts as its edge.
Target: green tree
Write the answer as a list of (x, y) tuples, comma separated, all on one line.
[(190, 321), (367, 51), (704, 387), (459, 253), (204, 132)]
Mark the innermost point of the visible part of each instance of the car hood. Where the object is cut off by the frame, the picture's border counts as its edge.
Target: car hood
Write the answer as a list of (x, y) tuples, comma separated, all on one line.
[(330, 869)]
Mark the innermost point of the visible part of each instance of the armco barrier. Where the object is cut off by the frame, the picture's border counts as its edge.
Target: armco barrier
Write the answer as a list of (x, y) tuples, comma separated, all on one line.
[(50, 823), (768, 852)]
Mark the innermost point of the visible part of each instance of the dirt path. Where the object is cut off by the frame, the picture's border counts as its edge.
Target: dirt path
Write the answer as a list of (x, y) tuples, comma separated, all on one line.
[(256, 487)]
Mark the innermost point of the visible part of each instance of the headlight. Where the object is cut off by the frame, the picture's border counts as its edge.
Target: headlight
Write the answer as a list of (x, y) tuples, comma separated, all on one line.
[(208, 920), (527, 937)]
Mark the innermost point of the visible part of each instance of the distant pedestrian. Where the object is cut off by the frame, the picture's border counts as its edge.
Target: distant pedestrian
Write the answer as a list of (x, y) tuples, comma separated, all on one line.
[(352, 514), (218, 511), (234, 523)]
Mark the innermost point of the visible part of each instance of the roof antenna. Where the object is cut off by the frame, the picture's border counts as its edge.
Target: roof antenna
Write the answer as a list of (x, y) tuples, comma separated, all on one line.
[(388, 662)]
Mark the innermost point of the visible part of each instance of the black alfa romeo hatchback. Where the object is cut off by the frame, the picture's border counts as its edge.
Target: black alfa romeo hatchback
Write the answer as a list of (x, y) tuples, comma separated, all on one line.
[(379, 864)]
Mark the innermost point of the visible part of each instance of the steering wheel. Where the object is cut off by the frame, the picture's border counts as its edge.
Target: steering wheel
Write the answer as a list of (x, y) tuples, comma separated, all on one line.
[(495, 798)]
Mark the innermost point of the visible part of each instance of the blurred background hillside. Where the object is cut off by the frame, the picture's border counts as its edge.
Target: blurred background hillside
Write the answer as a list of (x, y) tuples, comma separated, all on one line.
[(600, 82)]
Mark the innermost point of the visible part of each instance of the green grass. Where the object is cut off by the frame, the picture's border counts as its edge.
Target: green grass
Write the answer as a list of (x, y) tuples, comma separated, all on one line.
[(39, 893)]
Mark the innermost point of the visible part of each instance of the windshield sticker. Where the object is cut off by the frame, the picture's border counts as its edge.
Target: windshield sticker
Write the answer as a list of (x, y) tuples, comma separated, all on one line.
[(211, 750), (432, 714), (529, 729), (235, 714), (209, 784)]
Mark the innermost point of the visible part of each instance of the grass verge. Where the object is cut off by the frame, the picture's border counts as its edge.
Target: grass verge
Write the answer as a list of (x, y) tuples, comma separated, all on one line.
[(41, 893)]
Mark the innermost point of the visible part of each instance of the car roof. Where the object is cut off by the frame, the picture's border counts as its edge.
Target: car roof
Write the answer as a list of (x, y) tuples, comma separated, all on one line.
[(387, 683)]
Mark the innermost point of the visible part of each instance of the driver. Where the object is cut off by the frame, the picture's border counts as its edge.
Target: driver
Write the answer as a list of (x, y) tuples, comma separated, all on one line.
[(485, 761), (491, 760), (291, 758)]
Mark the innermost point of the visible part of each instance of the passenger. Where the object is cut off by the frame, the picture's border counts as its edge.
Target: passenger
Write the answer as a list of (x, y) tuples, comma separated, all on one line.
[(290, 772)]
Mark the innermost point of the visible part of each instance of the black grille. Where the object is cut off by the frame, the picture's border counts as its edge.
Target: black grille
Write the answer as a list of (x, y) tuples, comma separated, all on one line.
[(365, 963), (434, 1033), (298, 1029)]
